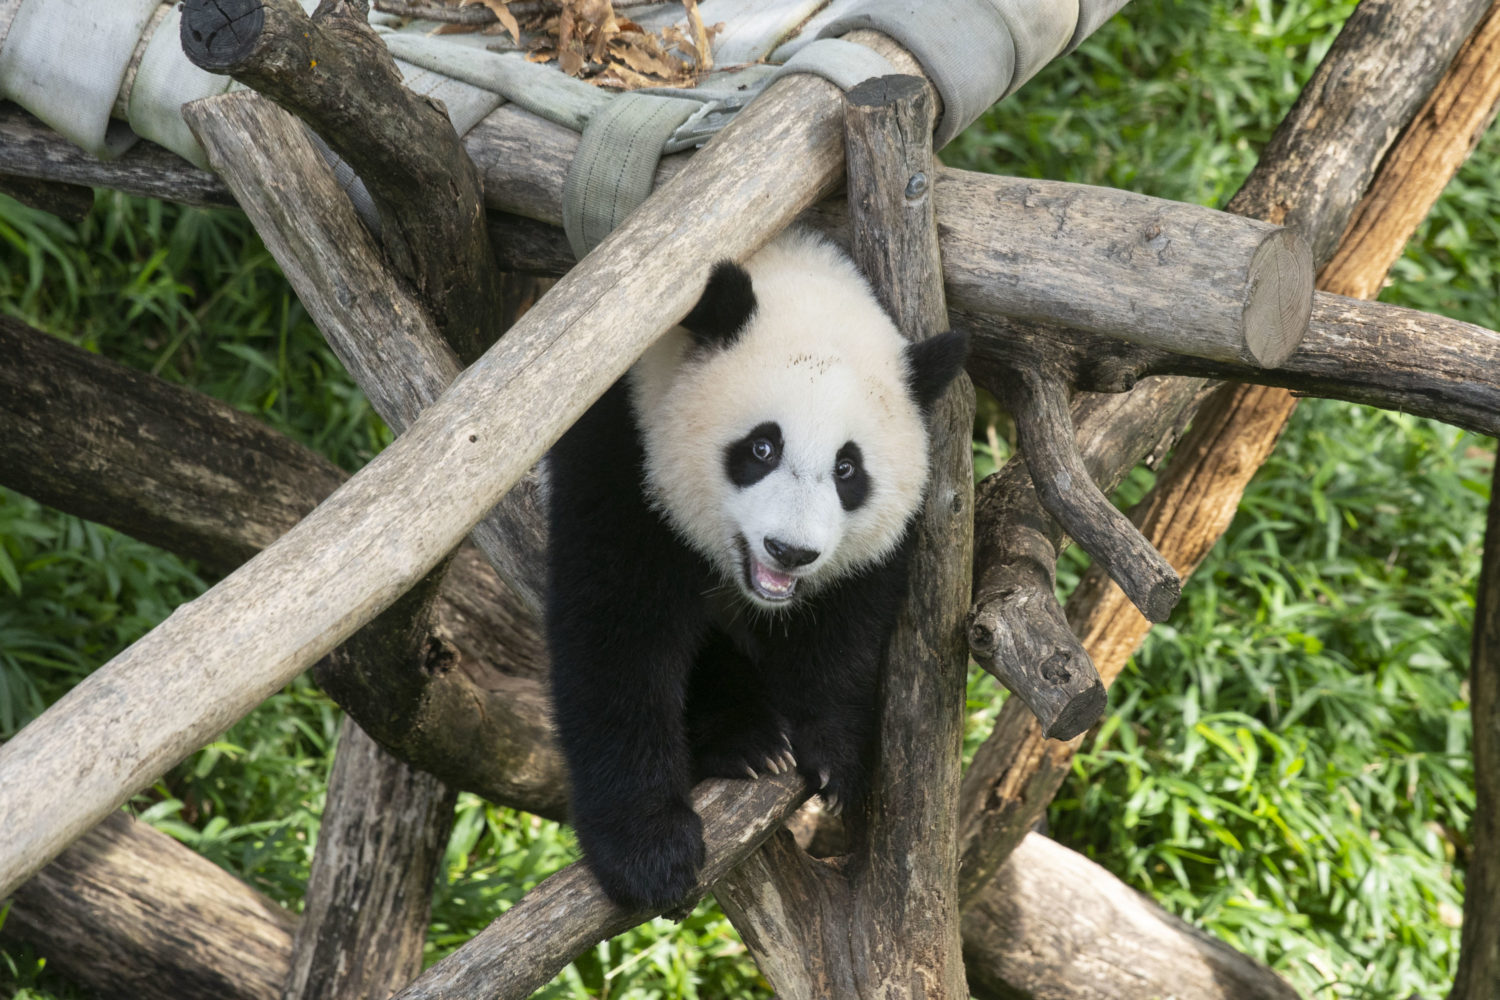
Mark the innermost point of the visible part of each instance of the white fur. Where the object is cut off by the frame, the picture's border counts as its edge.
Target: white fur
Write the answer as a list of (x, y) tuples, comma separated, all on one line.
[(821, 359)]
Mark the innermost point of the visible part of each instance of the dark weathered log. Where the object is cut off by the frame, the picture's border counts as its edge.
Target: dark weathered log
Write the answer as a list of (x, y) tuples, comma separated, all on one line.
[(130, 912), (1362, 352), (1015, 774), (30, 149), (333, 71), (384, 336), (531, 942), (889, 915), (1096, 939), (195, 476), (1016, 628), (70, 202), (1317, 166), (1038, 402), (369, 896), (1479, 954)]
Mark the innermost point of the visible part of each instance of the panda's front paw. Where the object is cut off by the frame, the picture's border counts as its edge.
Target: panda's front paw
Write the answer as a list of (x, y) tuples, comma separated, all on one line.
[(653, 865), (746, 752)]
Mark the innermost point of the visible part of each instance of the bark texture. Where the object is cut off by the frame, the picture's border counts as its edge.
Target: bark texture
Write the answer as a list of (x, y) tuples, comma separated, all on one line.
[(369, 896), (1097, 940), (129, 912), (1479, 956)]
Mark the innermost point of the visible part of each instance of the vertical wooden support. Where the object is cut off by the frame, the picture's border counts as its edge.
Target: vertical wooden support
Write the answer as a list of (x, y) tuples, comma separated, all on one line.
[(369, 899), (911, 879), (885, 922), (1479, 955)]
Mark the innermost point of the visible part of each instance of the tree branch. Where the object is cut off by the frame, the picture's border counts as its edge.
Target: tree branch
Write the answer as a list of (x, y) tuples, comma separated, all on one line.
[(334, 72), (567, 913), (190, 474)]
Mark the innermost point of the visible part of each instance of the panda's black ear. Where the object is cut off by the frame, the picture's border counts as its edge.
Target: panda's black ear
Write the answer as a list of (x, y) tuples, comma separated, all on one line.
[(727, 304), (933, 363)]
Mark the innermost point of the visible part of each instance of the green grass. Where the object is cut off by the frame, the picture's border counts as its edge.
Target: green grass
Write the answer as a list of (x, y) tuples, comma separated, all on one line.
[(1285, 762)]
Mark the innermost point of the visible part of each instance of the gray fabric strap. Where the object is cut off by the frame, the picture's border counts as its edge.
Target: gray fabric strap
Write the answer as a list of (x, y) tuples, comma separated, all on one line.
[(164, 82), (542, 90), (615, 165), (844, 64), (964, 48), (65, 60)]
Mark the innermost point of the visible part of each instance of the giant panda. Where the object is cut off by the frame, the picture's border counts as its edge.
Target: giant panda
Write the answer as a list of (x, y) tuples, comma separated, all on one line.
[(730, 526)]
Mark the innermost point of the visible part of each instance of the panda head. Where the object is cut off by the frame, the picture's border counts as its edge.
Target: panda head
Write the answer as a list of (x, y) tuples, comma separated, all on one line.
[(784, 421)]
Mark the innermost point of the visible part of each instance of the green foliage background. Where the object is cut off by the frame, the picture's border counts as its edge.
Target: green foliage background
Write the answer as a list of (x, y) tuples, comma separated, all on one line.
[(1285, 762)]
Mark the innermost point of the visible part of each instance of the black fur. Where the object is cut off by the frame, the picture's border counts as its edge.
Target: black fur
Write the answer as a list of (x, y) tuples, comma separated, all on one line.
[(652, 690), (743, 466), (727, 304), (935, 362)]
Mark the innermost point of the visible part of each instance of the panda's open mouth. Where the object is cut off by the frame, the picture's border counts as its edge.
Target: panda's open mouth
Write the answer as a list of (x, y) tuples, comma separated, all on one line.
[(771, 586)]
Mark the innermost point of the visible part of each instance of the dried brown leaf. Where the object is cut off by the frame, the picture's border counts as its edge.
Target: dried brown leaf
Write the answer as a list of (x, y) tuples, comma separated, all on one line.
[(701, 43)]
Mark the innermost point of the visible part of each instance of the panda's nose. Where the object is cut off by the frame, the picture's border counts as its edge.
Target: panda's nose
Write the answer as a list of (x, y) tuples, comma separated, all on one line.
[(789, 556)]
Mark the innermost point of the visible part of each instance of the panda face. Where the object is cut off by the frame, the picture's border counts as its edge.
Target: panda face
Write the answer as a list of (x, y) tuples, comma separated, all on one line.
[(789, 450)]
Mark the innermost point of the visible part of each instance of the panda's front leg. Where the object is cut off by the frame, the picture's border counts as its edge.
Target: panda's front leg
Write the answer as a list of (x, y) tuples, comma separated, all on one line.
[(618, 704)]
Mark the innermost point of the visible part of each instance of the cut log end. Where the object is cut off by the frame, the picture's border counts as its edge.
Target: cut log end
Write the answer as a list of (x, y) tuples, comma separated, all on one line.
[(218, 35), (1280, 304), (1080, 712), (1161, 597)]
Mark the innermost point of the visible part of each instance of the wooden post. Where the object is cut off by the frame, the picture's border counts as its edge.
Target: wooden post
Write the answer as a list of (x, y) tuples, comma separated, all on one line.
[(887, 918), (369, 896)]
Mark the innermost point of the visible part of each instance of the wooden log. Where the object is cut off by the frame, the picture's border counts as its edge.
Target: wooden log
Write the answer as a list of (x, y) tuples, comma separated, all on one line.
[(1361, 352), (1479, 953), (568, 912), (1015, 774), (1431, 150), (217, 657), (1038, 402), (334, 72), (1017, 770), (1338, 358), (1318, 165), (30, 149), (369, 896), (1095, 940), (190, 474), (889, 915), (129, 912), (382, 334), (1016, 628), (69, 202)]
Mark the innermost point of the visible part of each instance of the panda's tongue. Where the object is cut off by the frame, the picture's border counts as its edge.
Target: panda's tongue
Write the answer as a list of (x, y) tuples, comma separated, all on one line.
[(771, 583)]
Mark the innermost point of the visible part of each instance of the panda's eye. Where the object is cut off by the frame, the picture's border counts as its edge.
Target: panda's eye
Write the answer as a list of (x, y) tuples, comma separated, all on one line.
[(844, 469), (763, 449)]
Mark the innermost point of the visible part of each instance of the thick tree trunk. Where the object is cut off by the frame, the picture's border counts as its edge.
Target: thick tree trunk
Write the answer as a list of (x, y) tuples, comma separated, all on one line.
[(129, 912), (196, 477), (1096, 940)]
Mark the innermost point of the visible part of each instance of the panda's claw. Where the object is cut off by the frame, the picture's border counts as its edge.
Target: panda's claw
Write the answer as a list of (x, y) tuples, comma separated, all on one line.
[(750, 772), (823, 776), (832, 805)]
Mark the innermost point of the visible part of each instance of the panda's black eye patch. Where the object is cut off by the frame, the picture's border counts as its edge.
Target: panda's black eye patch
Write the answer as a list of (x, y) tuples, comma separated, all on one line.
[(849, 476), (752, 457)]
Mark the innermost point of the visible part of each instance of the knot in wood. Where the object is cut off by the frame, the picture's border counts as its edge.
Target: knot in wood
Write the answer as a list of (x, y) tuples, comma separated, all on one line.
[(982, 638), (916, 187)]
